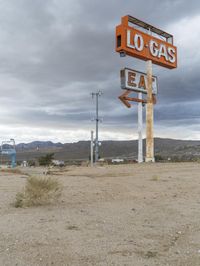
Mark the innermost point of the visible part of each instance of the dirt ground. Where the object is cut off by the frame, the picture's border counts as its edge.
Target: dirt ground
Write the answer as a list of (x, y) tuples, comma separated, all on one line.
[(138, 215)]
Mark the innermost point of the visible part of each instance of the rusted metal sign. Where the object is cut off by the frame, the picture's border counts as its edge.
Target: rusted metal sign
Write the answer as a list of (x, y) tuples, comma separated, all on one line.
[(126, 99), (137, 81), (155, 44)]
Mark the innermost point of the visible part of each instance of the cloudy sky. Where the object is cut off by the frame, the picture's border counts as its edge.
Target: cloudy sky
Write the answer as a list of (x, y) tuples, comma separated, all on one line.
[(54, 53)]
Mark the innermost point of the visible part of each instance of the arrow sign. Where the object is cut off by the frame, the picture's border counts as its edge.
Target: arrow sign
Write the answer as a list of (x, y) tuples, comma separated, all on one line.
[(125, 99)]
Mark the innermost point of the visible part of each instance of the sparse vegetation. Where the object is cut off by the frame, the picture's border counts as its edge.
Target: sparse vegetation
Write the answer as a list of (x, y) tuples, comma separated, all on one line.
[(31, 163), (38, 191), (72, 227), (155, 178), (46, 160), (150, 254), (158, 158)]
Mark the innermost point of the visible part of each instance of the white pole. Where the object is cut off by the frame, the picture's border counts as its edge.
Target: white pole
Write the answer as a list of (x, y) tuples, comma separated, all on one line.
[(91, 149), (140, 126)]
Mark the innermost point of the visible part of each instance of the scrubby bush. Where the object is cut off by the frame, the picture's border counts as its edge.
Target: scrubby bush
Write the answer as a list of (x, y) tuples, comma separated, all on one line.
[(155, 178), (158, 158), (31, 163), (46, 159), (38, 191)]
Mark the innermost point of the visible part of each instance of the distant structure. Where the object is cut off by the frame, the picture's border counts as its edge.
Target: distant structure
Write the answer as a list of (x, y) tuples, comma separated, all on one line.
[(8, 148)]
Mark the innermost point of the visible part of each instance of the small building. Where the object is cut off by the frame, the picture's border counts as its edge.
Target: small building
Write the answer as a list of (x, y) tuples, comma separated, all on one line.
[(117, 160), (58, 162)]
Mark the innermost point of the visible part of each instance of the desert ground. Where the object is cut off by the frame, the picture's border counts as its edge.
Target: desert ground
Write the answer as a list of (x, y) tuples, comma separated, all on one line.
[(138, 215)]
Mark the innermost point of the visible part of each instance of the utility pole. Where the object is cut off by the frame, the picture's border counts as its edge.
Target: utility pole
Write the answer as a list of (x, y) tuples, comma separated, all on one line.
[(96, 95), (91, 148)]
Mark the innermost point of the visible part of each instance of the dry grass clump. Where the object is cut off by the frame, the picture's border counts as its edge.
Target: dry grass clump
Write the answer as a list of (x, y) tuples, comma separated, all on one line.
[(155, 178), (38, 191), (72, 227)]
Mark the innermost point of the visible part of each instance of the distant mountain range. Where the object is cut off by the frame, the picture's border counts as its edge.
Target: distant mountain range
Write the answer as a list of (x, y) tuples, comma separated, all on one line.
[(37, 145), (109, 149)]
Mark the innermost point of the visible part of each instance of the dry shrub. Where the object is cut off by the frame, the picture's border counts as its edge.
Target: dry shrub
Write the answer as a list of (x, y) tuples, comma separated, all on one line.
[(72, 227), (38, 191), (151, 254), (155, 178)]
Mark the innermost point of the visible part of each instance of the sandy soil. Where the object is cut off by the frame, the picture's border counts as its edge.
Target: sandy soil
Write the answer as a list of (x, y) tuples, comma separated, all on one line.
[(138, 215)]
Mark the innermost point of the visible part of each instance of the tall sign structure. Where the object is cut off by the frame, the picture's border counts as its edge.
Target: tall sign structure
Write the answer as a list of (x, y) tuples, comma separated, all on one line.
[(152, 45)]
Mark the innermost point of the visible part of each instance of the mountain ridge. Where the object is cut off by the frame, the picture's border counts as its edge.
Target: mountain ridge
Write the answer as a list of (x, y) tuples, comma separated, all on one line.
[(165, 147)]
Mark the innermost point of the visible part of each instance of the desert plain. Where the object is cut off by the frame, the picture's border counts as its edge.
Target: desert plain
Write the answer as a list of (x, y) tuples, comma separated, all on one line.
[(134, 215)]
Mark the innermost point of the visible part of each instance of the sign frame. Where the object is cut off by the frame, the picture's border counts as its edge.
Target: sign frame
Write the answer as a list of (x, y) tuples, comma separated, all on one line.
[(124, 78), (145, 46)]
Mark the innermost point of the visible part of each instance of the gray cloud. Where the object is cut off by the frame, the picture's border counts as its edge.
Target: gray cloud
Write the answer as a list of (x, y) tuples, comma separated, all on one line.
[(54, 53)]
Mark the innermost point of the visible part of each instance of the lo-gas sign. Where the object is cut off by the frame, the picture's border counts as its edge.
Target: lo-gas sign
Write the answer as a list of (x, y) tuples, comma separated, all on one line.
[(137, 43)]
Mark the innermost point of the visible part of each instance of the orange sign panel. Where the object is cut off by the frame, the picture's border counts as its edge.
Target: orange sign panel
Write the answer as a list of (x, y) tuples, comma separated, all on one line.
[(136, 43)]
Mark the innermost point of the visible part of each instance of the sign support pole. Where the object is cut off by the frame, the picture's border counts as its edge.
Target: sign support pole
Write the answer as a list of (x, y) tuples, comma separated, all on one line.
[(140, 126), (91, 148), (149, 116)]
